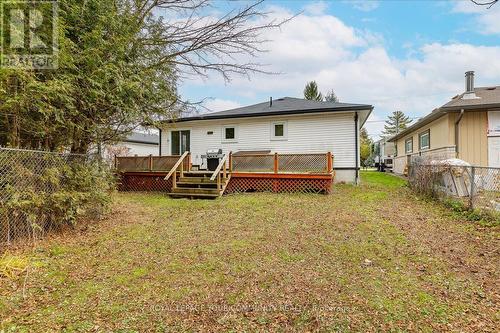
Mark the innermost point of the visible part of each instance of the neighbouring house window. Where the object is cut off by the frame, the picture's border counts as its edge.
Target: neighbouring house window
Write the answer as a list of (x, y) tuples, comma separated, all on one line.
[(409, 145), (425, 140), (279, 130), (229, 133)]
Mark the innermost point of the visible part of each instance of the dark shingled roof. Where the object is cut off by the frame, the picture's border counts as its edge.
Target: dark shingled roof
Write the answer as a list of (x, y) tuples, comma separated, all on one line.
[(281, 106)]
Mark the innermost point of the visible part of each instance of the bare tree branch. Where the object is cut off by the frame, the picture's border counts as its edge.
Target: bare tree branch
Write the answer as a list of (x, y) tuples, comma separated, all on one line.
[(198, 43), (488, 3)]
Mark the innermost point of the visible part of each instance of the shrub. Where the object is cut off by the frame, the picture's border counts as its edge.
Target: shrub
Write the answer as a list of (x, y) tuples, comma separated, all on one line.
[(42, 191)]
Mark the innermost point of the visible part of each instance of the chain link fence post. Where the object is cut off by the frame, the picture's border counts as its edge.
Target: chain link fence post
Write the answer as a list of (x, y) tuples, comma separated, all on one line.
[(472, 187)]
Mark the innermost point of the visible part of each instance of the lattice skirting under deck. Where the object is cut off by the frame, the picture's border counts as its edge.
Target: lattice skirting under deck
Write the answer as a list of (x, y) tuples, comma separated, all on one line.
[(144, 183), (252, 184)]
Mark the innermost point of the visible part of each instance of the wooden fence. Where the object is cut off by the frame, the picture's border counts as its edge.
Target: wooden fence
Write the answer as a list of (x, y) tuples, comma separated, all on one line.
[(147, 163)]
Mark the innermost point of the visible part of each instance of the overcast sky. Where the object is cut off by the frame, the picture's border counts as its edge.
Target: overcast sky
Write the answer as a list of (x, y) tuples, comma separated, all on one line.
[(395, 55)]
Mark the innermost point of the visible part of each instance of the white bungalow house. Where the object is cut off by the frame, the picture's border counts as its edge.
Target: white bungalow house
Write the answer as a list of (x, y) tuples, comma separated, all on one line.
[(284, 125)]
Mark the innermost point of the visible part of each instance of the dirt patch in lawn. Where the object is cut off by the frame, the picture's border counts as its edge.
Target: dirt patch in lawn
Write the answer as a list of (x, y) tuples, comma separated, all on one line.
[(365, 258)]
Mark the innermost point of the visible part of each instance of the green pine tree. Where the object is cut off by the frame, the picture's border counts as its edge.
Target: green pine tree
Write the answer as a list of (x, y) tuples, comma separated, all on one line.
[(395, 123), (365, 148), (312, 93), (331, 97)]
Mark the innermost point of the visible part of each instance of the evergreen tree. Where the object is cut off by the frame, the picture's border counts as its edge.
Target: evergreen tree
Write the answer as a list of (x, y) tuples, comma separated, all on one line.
[(365, 147), (312, 93), (395, 123), (331, 97)]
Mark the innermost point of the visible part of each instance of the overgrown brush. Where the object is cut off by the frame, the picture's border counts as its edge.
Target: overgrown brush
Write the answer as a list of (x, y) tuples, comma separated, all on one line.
[(429, 181), (424, 179), (42, 191)]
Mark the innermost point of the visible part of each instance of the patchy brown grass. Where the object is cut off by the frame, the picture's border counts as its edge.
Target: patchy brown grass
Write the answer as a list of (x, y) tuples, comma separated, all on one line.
[(366, 258)]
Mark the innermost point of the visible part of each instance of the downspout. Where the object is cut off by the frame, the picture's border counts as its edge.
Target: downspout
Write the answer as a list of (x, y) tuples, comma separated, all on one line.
[(457, 133), (159, 142), (356, 146)]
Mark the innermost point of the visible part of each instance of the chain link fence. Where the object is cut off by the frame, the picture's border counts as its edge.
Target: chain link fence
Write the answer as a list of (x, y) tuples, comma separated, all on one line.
[(476, 187), (43, 191)]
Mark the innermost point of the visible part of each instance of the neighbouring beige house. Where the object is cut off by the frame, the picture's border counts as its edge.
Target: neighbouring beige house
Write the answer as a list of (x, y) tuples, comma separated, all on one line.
[(467, 127)]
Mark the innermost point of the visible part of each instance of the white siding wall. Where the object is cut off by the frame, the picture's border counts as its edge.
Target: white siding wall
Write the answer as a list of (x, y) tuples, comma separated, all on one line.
[(312, 133), (140, 149)]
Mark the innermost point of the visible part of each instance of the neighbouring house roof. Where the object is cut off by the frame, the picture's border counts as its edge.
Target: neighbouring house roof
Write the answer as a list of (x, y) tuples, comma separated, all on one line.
[(136, 137), (280, 106), (486, 98)]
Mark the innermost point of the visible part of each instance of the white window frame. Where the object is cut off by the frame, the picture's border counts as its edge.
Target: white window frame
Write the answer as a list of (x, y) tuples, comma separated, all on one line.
[(420, 135), (224, 140), (285, 131), (406, 145)]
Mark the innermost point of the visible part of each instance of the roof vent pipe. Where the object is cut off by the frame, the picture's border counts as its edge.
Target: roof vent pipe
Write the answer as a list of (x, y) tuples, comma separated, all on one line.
[(469, 86), (270, 101), (469, 82)]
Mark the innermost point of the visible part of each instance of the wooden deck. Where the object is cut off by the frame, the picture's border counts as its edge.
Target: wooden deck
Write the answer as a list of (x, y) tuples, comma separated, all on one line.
[(261, 172)]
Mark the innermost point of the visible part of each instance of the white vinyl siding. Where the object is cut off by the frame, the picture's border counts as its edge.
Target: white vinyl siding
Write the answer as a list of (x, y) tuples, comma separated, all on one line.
[(315, 133)]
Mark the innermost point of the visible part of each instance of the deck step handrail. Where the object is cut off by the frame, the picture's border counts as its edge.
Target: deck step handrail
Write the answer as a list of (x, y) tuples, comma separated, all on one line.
[(222, 163), (176, 165)]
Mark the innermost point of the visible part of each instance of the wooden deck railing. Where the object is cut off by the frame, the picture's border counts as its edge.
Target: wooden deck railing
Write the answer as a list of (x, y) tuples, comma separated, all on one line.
[(147, 163), (178, 165), (282, 163), (221, 169), (260, 163)]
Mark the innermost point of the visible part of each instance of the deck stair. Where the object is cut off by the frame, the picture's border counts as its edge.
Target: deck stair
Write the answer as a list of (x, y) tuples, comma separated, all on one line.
[(197, 184)]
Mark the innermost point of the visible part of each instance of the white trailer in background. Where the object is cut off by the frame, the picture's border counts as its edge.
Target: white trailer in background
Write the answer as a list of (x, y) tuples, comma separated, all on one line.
[(384, 152)]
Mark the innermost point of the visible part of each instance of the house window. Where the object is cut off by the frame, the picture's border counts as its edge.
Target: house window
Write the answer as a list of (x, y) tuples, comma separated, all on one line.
[(425, 140), (279, 130), (229, 133), (409, 145)]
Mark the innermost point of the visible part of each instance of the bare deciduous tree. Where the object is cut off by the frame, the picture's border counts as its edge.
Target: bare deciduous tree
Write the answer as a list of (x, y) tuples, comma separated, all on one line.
[(199, 43)]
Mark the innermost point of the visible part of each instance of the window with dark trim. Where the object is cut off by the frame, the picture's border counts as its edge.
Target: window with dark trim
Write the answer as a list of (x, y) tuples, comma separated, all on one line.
[(409, 145), (229, 133), (279, 130), (424, 140)]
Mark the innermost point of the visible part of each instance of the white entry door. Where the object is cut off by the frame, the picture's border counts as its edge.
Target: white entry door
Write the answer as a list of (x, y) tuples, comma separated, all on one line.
[(494, 139), (494, 151)]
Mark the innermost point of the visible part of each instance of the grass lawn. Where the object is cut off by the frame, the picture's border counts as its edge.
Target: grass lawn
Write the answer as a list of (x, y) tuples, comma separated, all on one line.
[(367, 258)]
